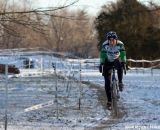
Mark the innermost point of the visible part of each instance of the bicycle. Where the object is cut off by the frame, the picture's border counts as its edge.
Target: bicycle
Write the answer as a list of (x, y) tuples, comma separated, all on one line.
[(115, 90)]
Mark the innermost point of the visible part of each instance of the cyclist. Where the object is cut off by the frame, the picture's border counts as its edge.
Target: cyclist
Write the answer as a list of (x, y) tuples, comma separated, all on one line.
[(112, 53)]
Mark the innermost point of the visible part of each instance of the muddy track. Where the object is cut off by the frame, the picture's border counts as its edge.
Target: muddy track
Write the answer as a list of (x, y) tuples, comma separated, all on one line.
[(112, 121)]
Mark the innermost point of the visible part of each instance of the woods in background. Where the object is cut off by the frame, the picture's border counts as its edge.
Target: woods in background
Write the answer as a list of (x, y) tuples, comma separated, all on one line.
[(60, 29), (136, 24), (57, 29)]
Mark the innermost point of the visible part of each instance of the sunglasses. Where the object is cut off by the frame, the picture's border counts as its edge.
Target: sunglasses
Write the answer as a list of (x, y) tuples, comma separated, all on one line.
[(112, 37)]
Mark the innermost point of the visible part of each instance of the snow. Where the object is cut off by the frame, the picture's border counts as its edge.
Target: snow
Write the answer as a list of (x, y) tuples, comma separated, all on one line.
[(48, 98), (34, 103), (140, 100)]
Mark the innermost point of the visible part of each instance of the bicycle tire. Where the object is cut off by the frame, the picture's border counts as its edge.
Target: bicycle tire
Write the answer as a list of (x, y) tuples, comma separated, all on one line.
[(114, 98)]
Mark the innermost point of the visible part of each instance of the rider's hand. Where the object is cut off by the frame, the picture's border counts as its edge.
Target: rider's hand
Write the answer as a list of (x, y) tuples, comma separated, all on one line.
[(123, 65), (100, 68)]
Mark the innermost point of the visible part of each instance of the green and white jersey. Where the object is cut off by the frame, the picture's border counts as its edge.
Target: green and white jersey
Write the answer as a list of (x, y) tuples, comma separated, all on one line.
[(110, 53)]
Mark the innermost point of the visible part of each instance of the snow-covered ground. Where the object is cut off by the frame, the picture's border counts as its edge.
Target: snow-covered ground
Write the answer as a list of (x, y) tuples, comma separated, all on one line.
[(140, 100), (38, 99), (50, 102)]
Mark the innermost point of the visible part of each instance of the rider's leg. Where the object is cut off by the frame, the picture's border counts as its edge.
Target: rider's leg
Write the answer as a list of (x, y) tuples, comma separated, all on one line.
[(107, 76), (120, 74), (107, 87), (119, 68)]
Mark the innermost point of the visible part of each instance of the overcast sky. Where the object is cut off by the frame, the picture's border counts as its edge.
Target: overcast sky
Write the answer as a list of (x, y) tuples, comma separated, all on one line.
[(91, 6)]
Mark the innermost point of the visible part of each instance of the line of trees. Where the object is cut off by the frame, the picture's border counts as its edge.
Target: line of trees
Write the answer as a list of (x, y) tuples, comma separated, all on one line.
[(60, 29), (55, 28), (136, 24)]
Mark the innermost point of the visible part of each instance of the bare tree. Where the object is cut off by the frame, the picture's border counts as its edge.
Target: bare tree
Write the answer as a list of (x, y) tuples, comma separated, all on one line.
[(54, 28), (74, 33), (16, 22)]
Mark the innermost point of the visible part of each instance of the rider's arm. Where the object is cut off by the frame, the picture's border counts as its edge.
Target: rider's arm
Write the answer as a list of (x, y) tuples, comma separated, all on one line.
[(122, 53), (102, 56)]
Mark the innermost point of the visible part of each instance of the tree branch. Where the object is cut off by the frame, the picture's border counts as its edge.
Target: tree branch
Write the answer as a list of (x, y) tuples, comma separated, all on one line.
[(39, 10)]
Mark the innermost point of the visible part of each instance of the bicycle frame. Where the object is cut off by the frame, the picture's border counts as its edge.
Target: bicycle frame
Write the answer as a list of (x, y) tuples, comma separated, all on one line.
[(113, 75), (114, 91)]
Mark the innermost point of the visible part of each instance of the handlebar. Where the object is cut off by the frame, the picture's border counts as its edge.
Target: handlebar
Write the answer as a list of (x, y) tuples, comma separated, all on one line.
[(113, 67), (124, 68)]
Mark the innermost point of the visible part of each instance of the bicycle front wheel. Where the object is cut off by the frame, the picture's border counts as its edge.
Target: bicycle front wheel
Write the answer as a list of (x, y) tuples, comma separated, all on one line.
[(114, 98)]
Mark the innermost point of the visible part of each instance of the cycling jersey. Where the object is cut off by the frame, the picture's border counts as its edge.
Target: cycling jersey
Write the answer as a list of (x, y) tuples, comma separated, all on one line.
[(110, 53)]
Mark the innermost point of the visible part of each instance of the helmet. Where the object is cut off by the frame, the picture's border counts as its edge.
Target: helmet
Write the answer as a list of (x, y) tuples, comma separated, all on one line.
[(111, 34)]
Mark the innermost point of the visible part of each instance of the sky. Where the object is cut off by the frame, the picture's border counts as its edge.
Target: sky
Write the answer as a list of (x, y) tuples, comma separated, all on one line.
[(91, 6)]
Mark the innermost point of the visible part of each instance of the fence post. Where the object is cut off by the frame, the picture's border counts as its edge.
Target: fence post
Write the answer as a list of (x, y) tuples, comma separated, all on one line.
[(73, 65), (42, 64), (136, 67), (79, 102), (29, 64), (56, 94), (49, 66), (56, 100), (130, 63), (151, 68), (6, 101), (143, 64)]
